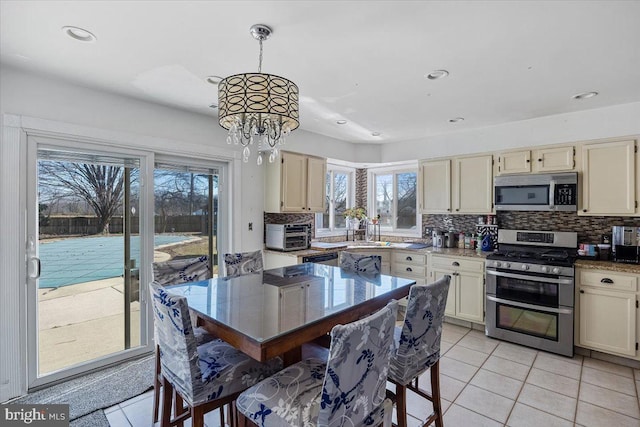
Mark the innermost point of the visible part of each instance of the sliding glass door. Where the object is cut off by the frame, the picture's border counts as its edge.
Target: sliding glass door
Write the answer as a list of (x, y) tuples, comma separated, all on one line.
[(84, 252)]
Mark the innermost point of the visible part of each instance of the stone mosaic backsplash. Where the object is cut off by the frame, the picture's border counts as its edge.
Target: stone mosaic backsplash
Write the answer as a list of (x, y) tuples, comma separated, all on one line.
[(361, 188)]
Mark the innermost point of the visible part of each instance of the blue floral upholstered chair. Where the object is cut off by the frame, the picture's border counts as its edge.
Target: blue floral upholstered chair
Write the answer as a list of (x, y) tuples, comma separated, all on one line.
[(173, 272), (205, 376), (417, 347), (243, 263), (349, 389), (363, 264)]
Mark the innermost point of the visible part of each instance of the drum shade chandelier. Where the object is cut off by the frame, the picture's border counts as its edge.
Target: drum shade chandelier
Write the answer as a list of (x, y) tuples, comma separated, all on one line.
[(258, 108)]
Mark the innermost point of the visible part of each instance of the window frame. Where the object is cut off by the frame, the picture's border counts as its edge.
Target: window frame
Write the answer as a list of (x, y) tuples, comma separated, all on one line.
[(393, 170), (351, 199)]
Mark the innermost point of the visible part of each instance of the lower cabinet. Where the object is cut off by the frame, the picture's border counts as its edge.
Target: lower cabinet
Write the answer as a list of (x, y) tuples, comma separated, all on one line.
[(466, 291), (410, 265), (293, 305), (607, 307)]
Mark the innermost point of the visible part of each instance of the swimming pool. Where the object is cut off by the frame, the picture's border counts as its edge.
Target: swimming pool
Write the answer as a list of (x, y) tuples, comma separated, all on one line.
[(71, 261)]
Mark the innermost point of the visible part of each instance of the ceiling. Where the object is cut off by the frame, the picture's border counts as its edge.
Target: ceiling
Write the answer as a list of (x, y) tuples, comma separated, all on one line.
[(363, 62)]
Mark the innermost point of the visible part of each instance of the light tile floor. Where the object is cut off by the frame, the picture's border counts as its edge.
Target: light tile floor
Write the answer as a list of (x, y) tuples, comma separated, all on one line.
[(485, 382)]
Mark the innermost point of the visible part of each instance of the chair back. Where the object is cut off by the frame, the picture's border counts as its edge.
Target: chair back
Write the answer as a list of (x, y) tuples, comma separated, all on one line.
[(356, 377), (174, 335), (419, 344), (242, 263), (181, 270), (367, 264)]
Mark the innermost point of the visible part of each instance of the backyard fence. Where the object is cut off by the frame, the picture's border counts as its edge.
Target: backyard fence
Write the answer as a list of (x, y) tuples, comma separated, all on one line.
[(88, 225)]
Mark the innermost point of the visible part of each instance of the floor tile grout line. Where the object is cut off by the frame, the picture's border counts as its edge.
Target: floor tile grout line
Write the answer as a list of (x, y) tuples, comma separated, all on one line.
[(610, 389), (524, 381)]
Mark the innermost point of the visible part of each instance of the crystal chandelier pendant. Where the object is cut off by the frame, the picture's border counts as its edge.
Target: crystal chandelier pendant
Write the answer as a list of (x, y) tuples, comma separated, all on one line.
[(259, 160), (245, 154)]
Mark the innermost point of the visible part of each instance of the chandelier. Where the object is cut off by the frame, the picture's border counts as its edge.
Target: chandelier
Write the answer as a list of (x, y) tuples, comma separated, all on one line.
[(258, 109)]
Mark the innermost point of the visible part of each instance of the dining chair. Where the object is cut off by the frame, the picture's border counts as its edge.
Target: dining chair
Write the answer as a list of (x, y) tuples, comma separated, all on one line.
[(358, 263), (417, 347), (348, 389), (205, 376), (241, 263), (170, 273)]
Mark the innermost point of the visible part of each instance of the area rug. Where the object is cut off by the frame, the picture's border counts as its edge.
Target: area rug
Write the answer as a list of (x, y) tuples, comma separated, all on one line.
[(88, 395)]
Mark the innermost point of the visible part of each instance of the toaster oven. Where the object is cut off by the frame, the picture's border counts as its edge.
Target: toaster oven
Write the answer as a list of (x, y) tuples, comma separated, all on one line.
[(288, 237)]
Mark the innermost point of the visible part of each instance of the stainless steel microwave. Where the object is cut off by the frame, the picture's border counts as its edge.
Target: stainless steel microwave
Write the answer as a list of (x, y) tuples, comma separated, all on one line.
[(537, 192)]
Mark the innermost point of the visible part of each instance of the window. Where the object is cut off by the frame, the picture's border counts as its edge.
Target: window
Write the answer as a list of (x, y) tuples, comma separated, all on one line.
[(339, 196), (394, 199)]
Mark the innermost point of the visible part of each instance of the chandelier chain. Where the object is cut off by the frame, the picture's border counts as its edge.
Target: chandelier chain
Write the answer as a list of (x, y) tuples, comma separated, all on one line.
[(260, 60)]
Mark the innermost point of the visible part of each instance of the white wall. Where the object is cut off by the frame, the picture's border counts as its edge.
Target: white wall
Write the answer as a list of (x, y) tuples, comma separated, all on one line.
[(619, 120)]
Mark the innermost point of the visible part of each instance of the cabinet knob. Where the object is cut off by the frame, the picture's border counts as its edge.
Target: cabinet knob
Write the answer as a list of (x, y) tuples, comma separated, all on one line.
[(584, 210), (409, 258), (457, 210), (409, 269), (539, 160), (455, 264), (581, 291), (606, 280), (528, 161)]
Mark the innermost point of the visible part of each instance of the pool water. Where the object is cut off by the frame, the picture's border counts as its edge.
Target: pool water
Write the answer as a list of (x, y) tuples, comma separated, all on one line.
[(71, 261)]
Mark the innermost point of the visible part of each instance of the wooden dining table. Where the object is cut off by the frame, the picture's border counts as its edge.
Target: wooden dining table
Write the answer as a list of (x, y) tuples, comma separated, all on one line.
[(274, 312)]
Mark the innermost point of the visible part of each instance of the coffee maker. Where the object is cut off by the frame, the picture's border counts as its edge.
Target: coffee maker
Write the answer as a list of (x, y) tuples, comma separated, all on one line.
[(625, 243)]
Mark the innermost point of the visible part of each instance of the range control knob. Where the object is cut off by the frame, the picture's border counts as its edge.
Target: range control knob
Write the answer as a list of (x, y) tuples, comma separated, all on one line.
[(525, 266), (544, 269), (498, 264), (556, 270)]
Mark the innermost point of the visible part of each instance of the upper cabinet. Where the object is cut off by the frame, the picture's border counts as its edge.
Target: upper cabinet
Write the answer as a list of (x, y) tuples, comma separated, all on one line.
[(296, 183), (609, 178), (435, 184), (554, 159), (458, 185)]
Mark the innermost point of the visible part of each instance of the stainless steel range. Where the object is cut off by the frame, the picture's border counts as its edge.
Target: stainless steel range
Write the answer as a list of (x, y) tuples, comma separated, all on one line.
[(530, 289)]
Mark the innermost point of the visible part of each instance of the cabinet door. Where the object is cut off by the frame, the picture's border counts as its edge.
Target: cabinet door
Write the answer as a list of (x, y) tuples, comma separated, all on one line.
[(435, 186), (292, 299), (608, 320), (515, 162), (470, 296), (554, 159), (450, 309), (473, 184), (608, 178), (316, 179), (314, 300), (294, 183)]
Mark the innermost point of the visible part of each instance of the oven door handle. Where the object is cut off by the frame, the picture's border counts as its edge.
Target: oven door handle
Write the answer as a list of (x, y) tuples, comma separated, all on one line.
[(531, 278), (530, 306)]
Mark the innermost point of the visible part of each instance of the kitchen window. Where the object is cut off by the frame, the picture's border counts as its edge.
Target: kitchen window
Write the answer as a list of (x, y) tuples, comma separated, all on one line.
[(339, 196), (392, 197)]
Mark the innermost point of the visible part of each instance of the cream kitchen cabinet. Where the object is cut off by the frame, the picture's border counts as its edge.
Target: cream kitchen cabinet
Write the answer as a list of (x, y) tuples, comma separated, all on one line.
[(294, 304), (296, 183), (409, 264), (606, 318), (609, 179), (466, 291), (549, 159), (458, 185), (435, 186)]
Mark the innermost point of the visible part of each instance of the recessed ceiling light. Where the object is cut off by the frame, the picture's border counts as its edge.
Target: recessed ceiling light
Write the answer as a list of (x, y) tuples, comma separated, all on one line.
[(437, 74), (585, 95), (341, 122), (375, 133), (214, 80), (79, 34), (456, 119)]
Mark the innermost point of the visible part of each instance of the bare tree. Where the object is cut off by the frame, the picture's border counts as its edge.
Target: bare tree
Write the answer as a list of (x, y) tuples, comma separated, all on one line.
[(100, 186)]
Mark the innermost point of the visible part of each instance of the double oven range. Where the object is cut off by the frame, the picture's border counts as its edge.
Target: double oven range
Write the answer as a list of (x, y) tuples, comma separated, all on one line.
[(530, 289)]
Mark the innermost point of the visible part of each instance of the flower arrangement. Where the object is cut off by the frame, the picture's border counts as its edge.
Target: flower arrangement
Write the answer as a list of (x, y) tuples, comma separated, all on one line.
[(356, 213)]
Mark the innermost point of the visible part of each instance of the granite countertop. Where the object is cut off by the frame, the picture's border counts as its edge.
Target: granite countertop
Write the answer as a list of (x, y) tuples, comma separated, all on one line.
[(401, 246), (608, 266)]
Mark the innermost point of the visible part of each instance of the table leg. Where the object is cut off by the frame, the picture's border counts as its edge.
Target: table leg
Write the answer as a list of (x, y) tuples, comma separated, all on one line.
[(292, 356)]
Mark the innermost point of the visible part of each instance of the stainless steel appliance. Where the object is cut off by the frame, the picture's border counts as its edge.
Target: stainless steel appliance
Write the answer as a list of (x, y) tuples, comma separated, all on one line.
[(288, 237), (330, 258), (626, 244), (537, 192), (530, 289)]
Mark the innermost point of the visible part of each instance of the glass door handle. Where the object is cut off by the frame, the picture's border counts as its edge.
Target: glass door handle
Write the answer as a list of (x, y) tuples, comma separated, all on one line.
[(34, 267)]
